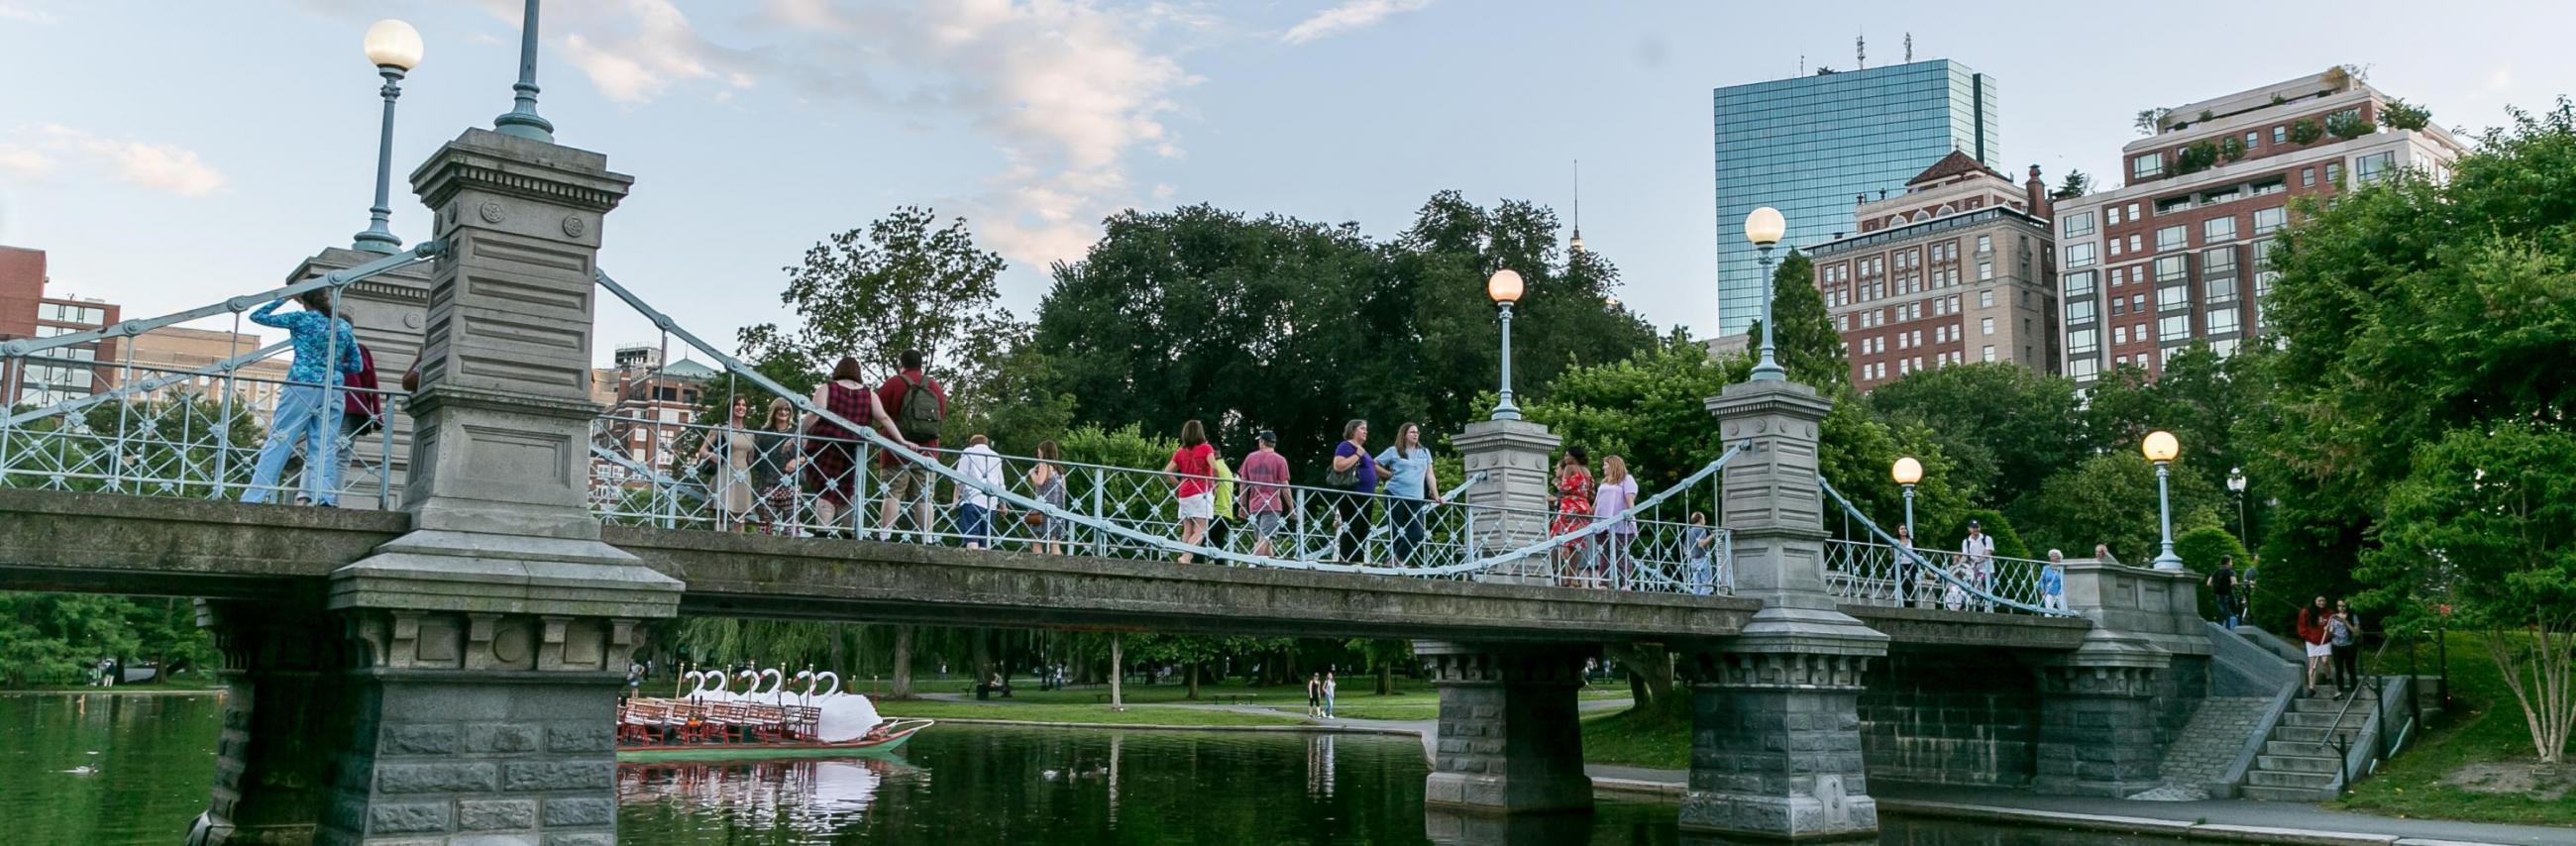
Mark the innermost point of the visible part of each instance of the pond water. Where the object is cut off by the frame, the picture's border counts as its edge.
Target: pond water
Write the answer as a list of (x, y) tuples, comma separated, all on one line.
[(135, 769)]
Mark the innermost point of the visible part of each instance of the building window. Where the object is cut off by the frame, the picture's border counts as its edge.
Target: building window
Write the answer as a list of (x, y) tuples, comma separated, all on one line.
[(2334, 173), (2218, 262), (2082, 341), (2079, 283), (2083, 369), (2079, 223), (1986, 325), (2253, 139), (2273, 185), (2173, 297), (2219, 289), (2174, 328), (1985, 244), (2115, 248), (2170, 205), (2280, 135), (2171, 270), (2143, 167), (1985, 299), (2267, 221), (2218, 229), (2222, 195), (2119, 334), (2138, 303), (2114, 213), (2133, 215), (2133, 243), (1990, 352), (2307, 177), (1985, 270), (2079, 255), (2222, 320), (2119, 306), (2370, 168), (2172, 237)]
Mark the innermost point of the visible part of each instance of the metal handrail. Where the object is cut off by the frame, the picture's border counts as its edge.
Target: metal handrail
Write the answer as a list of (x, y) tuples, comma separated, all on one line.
[(144, 386), (425, 251), (2369, 683), (1907, 552)]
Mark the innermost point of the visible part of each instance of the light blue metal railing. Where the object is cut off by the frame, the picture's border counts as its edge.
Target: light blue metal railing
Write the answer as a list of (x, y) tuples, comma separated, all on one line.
[(1888, 573)]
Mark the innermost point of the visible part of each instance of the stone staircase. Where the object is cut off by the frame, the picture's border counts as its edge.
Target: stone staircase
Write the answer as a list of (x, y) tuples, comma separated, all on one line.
[(2299, 762)]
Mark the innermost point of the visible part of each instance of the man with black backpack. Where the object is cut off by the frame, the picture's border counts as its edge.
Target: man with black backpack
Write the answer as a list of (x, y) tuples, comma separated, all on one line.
[(919, 406)]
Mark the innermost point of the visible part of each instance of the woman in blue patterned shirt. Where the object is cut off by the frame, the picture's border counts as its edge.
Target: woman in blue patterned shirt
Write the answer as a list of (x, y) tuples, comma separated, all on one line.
[(308, 407)]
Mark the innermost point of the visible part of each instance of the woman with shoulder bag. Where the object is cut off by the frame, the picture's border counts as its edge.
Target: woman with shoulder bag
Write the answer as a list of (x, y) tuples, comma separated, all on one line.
[(1353, 476)]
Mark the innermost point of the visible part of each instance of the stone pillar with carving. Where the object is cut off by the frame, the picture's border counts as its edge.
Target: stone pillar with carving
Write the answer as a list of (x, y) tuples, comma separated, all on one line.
[(491, 640), (1775, 711), (2098, 717), (1510, 739), (1509, 508)]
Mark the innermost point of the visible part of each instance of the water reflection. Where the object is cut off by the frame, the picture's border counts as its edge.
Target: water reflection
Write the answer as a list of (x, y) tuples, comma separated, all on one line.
[(805, 795)]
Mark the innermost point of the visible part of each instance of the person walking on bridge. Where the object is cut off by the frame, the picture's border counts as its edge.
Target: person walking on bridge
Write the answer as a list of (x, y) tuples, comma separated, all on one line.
[(1411, 489), (1265, 490), (1047, 482), (1573, 511), (309, 409), (1610, 504), (1196, 485), (830, 465), (1354, 474), (920, 406), (2222, 584), (2052, 582), (1979, 552)]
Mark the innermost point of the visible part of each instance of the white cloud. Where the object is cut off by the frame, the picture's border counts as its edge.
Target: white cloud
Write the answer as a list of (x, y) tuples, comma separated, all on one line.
[(1068, 91), (1351, 14), (24, 163), (635, 49), (2501, 79), (164, 167), (26, 14)]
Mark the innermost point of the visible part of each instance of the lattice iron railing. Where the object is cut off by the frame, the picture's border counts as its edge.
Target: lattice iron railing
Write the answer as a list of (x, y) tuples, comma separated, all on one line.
[(1887, 574)]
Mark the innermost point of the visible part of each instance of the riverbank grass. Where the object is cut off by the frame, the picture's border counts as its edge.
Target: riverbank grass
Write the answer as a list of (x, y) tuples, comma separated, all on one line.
[(1655, 738), (2475, 763)]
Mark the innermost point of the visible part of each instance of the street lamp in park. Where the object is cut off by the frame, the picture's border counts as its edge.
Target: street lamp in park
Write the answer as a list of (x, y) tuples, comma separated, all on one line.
[(1764, 227), (1907, 472), (1505, 289), (2236, 485), (394, 48), (2161, 448)]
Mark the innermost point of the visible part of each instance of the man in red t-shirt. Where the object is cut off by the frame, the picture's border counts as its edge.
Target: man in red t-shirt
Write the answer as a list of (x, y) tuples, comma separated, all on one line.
[(919, 423)]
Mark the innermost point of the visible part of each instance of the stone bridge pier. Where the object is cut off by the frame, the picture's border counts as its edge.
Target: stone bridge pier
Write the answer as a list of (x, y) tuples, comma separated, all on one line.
[(459, 684)]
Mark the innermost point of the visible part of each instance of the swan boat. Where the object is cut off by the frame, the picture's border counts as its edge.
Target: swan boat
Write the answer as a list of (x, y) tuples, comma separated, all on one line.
[(711, 722)]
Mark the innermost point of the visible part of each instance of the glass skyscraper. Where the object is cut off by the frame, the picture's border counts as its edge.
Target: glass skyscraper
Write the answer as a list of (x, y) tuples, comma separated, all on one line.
[(1808, 146)]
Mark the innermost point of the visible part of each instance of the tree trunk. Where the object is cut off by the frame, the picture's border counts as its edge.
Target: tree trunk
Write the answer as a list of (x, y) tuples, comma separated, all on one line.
[(1649, 669), (1193, 695), (1385, 677), (979, 654), (1117, 673), (902, 664)]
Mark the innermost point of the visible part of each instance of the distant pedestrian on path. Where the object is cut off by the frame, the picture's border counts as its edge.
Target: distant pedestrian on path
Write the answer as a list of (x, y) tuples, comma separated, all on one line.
[(1354, 475), (1265, 491), (919, 405), (1979, 551), (1329, 687), (2222, 584), (2312, 631), (2052, 582), (309, 408), (2343, 635), (1196, 485), (1315, 695), (1610, 504), (974, 505), (1411, 489)]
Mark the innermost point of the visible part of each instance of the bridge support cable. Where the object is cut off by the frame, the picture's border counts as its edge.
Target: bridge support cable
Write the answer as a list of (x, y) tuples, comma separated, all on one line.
[(1911, 568)]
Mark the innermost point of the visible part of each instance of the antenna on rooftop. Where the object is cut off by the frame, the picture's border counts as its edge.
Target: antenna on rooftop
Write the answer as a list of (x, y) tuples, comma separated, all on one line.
[(1860, 51), (1909, 48), (1576, 245)]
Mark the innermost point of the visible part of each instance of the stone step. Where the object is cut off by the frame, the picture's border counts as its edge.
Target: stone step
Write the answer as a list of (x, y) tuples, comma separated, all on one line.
[(2262, 793), (2331, 704), (2276, 778), (2293, 747), (2297, 764), (2312, 734), (2311, 719)]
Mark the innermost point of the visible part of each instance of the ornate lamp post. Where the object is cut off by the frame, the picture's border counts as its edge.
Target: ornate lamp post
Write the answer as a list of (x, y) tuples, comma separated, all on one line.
[(1764, 227), (394, 48), (1505, 289), (2236, 485), (522, 120), (2160, 447), (1907, 472)]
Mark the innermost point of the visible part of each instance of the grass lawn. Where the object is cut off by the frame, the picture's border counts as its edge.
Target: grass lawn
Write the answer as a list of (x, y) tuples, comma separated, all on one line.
[(1386, 708), (1155, 715), (2483, 731), (1658, 738)]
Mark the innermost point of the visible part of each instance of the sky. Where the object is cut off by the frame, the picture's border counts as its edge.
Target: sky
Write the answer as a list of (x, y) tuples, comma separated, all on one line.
[(167, 154)]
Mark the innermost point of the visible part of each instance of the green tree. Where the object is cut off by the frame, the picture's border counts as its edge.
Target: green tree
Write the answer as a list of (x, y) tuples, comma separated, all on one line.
[(2150, 121), (898, 284), (2076, 184), (1652, 408), (2232, 149), (2201, 550), (2110, 499), (2349, 125), (2305, 132), (2486, 522), (2195, 158), (2405, 115), (1806, 345), (2003, 424)]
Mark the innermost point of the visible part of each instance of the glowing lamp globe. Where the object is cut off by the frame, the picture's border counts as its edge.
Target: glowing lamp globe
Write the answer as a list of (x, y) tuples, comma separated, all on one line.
[(2160, 446), (393, 44), (1765, 226), (1908, 471), (1504, 286)]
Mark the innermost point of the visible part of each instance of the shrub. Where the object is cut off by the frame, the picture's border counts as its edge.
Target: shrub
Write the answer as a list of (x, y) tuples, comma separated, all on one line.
[(2305, 132)]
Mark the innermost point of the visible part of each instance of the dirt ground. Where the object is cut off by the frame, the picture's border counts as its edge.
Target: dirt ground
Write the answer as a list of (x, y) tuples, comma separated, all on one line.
[(2536, 781)]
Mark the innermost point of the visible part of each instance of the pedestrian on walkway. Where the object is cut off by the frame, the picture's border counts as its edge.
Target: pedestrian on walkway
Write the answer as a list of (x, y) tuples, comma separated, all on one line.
[(1411, 489), (1354, 478), (1221, 524), (1195, 486), (1315, 695), (1611, 503), (1265, 492), (2102, 553), (2343, 635), (1329, 687), (974, 505), (725, 454), (773, 472), (1907, 580), (830, 450), (2052, 582), (1979, 550), (309, 407), (1573, 511), (2222, 584), (919, 405), (1954, 596), (2312, 632), (1047, 483), (1699, 556)]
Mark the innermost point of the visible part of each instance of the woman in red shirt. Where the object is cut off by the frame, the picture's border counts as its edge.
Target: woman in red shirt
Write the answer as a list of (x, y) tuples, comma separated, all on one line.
[(2312, 630), (1573, 510), (1196, 488)]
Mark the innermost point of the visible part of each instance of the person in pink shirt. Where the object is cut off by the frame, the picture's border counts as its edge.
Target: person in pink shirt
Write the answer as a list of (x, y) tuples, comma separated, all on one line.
[(1196, 485), (1264, 476), (1617, 494)]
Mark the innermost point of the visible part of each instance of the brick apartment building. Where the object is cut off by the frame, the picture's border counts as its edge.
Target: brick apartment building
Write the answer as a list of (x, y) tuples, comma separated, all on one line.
[(27, 311), (2178, 252), (1957, 268)]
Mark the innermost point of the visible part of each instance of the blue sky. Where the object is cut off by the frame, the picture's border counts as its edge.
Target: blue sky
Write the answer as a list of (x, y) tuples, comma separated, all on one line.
[(171, 153)]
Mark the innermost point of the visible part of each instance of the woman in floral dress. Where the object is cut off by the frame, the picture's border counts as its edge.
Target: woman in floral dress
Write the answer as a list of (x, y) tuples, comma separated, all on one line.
[(1573, 510)]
